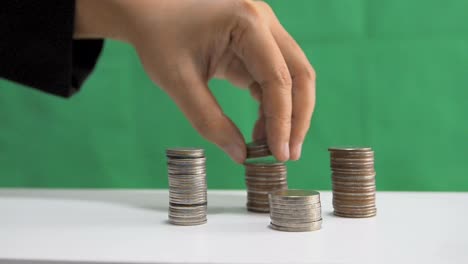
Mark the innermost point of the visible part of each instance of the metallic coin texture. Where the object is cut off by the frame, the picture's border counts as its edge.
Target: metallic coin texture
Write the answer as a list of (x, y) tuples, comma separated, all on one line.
[(295, 210), (261, 178), (353, 181), (187, 186)]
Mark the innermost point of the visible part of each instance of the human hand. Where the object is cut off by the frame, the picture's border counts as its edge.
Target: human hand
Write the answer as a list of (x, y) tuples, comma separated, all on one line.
[(183, 44)]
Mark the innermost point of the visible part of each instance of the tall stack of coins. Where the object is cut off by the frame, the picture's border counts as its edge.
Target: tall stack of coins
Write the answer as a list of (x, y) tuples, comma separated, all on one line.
[(261, 178), (295, 210), (353, 179), (187, 186)]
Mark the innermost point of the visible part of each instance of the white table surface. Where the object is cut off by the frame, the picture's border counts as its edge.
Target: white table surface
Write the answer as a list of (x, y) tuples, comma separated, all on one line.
[(130, 226)]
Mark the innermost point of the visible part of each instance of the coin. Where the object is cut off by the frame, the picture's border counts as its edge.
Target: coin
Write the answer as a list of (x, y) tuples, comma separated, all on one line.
[(295, 210), (350, 149), (293, 196), (187, 186), (300, 217), (354, 215), (184, 152), (298, 207), (311, 227), (353, 181), (295, 223), (258, 149)]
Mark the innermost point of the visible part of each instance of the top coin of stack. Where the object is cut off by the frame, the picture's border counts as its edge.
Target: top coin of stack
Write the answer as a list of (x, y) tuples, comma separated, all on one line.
[(258, 149), (187, 186), (295, 210), (353, 179)]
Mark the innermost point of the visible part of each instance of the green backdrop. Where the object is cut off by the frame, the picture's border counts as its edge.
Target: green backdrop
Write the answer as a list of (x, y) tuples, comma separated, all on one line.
[(391, 74)]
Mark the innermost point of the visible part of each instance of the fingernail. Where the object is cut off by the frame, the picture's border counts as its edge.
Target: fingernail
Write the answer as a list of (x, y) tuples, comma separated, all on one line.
[(296, 152), (236, 152)]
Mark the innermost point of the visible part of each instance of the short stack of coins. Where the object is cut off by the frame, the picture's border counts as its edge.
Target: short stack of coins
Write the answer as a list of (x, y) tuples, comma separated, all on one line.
[(261, 178), (258, 149), (187, 186), (295, 210), (353, 179)]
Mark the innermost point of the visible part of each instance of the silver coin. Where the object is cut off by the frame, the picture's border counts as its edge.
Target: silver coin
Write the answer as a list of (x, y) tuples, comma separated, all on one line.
[(288, 229), (372, 214), (188, 184), (192, 198), (338, 186), (193, 207), (294, 212), (187, 180), (267, 187), (289, 215), (350, 184), (295, 195), (187, 216), (294, 203), (265, 180), (187, 213), (261, 192), (190, 170), (295, 222), (187, 197), (186, 174), (295, 218), (354, 178), (353, 194), (190, 223), (179, 211), (263, 163), (298, 207), (312, 225), (265, 184), (352, 166), (187, 194), (350, 149), (352, 159), (185, 151), (187, 201), (197, 213), (355, 210), (354, 204)]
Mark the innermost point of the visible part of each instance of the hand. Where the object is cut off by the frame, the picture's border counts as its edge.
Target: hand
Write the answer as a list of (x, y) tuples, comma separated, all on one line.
[(183, 44)]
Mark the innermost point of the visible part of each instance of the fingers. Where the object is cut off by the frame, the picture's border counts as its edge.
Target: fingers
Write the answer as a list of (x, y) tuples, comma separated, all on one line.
[(259, 131), (303, 84), (198, 104), (253, 42), (233, 69)]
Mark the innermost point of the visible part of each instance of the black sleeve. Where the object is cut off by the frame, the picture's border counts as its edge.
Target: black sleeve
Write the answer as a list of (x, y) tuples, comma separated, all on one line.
[(37, 47)]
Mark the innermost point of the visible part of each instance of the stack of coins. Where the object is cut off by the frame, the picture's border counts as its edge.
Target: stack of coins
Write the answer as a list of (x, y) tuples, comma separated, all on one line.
[(295, 210), (261, 178), (353, 179), (258, 149), (187, 186)]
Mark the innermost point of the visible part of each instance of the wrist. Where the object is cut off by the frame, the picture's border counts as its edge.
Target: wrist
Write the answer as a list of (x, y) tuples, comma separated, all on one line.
[(102, 19)]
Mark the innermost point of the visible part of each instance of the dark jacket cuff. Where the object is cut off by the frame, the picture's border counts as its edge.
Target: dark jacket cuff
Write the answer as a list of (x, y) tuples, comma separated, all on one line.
[(37, 47)]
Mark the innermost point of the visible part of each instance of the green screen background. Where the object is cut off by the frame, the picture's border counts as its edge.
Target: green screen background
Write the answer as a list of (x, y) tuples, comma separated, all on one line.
[(391, 74)]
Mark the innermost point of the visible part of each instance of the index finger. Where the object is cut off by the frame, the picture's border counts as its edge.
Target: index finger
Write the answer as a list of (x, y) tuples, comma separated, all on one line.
[(253, 42)]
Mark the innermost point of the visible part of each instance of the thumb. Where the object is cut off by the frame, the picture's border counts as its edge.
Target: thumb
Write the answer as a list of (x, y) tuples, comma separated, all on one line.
[(192, 95)]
